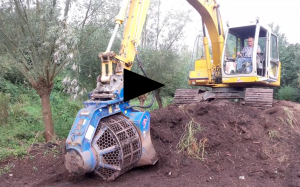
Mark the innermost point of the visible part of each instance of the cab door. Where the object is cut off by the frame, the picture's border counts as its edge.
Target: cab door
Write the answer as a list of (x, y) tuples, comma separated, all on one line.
[(273, 60)]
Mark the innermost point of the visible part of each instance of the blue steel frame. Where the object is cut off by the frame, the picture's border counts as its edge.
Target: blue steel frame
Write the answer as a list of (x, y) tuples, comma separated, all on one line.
[(83, 129)]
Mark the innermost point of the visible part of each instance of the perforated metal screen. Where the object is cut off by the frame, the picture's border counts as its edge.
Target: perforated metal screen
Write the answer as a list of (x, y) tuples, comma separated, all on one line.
[(118, 145)]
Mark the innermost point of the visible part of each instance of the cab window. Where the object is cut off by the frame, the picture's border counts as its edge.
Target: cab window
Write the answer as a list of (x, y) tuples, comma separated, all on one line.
[(274, 49), (232, 45), (274, 61)]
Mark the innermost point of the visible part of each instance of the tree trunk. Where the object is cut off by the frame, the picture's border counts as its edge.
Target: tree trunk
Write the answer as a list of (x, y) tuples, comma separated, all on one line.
[(47, 114), (44, 90), (142, 99), (158, 98)]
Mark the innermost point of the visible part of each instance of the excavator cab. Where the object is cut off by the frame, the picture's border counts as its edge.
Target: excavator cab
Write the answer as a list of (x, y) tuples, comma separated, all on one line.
[(263, 66)]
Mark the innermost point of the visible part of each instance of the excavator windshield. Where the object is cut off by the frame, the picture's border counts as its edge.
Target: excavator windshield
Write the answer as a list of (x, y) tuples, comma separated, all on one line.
[(245, 50)]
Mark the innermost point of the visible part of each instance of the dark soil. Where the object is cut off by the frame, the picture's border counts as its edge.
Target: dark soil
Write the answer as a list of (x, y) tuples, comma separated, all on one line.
[(244, 146)]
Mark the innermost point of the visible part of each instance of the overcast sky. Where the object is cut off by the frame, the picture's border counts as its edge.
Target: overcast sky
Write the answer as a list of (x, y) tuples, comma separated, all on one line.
[(284, 13)]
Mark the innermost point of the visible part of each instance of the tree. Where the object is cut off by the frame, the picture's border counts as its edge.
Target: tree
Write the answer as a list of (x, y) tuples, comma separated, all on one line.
[(40, 45), (40, 42), (290, 65), (95, 32), (163, 31)]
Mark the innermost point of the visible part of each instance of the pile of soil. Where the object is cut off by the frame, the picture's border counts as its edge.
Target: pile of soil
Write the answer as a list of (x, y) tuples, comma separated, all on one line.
[(244, 146)]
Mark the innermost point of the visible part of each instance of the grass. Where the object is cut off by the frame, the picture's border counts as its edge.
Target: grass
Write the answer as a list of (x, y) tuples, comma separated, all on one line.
[(165, 100), (290, 119), (195, 148), (273, 134), (25, 121), (6, 169)]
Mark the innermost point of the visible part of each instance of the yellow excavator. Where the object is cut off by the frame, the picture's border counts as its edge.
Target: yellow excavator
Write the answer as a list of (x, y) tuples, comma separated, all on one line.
[(230, 74), (109, 136)]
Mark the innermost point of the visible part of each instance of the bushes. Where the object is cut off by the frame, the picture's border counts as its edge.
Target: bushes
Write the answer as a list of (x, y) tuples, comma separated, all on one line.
[(288, 93), (21, 117), (14, 90), (64, 113), (4, 106)]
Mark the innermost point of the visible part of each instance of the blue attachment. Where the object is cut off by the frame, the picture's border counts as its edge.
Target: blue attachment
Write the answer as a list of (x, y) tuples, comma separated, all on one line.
[(84, 127)]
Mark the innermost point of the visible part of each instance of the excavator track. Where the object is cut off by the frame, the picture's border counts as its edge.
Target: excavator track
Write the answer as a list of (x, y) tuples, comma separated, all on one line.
[(255, 97), (185, 96), (259, 97)]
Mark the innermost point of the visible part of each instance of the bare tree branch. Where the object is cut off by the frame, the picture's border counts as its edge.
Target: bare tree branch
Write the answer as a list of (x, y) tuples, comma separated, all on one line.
[(86, 14), (66, 61), (66, 12), (176, 37), (24, 69), (157, 27), (38, 10), (85, 38)]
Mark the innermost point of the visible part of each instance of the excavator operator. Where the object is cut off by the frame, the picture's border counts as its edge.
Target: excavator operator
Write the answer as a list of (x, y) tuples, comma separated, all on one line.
[(246, 56)]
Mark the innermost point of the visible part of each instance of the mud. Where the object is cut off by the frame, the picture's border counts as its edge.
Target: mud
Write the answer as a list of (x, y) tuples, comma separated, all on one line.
[(244, 146)]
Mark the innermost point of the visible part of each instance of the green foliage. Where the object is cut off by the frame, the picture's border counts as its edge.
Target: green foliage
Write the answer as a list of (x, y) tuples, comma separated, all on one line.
[(165, 101), (58, 87), (6, 169), (4, 102), (288, 93), (290, 65), (88, 66), (165, 66), (64, 112), (9, 88), (8, 72), (25, 121), (38, 44)]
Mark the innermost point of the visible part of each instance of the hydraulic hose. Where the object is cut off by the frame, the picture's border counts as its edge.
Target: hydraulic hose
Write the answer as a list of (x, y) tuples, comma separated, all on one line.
[(153, 92)]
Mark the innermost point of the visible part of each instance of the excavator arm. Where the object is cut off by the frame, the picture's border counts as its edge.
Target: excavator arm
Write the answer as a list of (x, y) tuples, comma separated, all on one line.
[(208, 9)]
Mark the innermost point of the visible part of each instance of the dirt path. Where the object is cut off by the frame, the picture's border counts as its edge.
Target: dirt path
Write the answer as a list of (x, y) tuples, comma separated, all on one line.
[(241, 146)]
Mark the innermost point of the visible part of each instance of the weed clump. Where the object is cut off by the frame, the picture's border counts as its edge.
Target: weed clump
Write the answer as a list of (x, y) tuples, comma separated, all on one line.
[(188, 142)]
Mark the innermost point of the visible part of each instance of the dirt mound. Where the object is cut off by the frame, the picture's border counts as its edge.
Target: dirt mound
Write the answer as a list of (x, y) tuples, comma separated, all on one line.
[(235, 145)]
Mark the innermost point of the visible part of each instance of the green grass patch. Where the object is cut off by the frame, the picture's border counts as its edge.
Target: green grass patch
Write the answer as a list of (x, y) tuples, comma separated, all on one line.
[(64, 112), (25, 121), (165, 100), (6, 169)]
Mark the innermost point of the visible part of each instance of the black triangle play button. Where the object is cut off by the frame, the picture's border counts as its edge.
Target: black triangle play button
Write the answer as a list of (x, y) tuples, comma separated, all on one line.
[(136, 85)]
